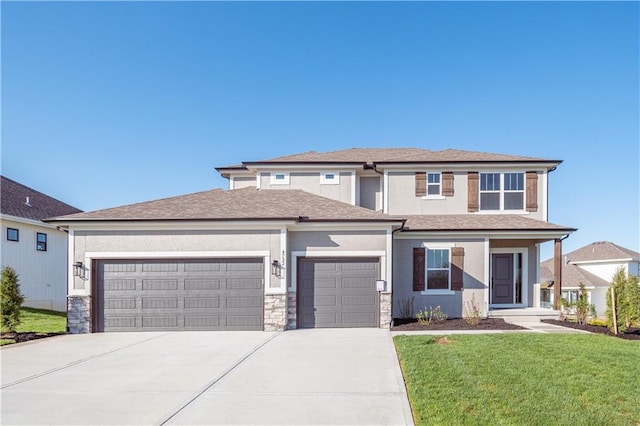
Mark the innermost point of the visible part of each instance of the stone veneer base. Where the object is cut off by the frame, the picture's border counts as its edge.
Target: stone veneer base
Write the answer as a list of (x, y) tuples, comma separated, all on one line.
[(79, 314)]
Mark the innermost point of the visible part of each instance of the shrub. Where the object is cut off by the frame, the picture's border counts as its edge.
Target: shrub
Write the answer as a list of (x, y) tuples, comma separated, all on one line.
[(471, 311), (598, 322), (405, 307), (11, 300), (431, 315), (627, 297)]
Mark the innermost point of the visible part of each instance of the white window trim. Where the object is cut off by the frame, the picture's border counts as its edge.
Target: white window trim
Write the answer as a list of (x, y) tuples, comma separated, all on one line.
[(46, 242), (274, 181), (6, 234), (502, 192), (325, 181), (436, 292)]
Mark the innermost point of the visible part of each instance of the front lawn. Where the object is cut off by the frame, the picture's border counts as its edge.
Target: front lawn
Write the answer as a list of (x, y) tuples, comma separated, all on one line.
[(36, 323), (532, 379)]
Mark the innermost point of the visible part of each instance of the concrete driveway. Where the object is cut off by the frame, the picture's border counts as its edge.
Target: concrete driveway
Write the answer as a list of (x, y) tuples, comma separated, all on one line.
[(331, 376)]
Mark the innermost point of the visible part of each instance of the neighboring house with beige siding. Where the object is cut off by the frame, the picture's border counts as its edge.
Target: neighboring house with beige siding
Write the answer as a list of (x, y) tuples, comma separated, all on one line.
[(594, 266), (334, 239), (35, 249)]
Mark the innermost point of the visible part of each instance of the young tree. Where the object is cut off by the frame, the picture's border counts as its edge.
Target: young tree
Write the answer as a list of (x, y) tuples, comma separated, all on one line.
[(11, 299), (627, 300), (583, 308)]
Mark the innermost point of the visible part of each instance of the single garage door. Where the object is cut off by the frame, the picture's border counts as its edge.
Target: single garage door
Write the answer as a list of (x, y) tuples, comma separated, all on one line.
[(338, 292), (186, 294)]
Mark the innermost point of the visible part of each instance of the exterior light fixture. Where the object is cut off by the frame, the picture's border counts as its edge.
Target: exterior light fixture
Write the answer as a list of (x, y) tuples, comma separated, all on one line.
[(276, 268), (78, 269)]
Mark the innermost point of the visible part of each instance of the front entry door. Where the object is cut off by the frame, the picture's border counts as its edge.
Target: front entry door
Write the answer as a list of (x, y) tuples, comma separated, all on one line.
[(502, 278)]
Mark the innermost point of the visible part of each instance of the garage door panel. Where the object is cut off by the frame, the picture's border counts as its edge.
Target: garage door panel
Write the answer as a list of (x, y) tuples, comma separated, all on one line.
[(201, 284), (200, 294), (338, 292)]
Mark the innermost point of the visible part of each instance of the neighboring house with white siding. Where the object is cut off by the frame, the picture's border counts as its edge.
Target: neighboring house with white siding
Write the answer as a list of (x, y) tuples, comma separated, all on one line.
[(319, 239), (594, 266), (35, 249)]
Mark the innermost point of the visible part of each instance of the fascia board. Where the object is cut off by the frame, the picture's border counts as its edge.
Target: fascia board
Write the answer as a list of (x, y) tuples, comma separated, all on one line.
[(26, 221), (309, 167), (344, 226), (508, 165), (177, 225), (496, 235), (586, 262)]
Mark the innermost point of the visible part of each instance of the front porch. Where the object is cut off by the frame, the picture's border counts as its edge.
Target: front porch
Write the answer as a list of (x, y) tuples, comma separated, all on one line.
[(523, 314)]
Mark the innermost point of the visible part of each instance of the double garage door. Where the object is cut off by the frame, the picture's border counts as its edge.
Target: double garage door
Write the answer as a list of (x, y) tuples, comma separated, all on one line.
[(188, 294)]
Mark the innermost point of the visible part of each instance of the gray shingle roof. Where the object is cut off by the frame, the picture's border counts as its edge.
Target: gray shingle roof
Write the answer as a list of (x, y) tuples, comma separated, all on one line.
[(572, 276), (398, 155), (480, 222), (14, 202), (239, 204), (601, 250)]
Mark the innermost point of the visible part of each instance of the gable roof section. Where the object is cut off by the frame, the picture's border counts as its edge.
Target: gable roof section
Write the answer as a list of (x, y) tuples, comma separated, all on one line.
[(238, 204), (601, 251), (14, 202), (478, 222), (572, 276), (394, 156)]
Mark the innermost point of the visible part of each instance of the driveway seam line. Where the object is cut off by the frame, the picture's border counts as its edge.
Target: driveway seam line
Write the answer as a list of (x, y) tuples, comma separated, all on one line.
[(74, 363), (212, 383)]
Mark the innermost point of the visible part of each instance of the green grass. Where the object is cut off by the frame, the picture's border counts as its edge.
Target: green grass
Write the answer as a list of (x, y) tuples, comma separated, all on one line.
[(528, 379), (39, 321)]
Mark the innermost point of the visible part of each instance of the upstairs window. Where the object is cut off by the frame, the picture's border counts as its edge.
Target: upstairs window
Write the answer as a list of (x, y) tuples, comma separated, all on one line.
[(41, 241), (433, 184), (280, 178), (501, 191), (13, 234)]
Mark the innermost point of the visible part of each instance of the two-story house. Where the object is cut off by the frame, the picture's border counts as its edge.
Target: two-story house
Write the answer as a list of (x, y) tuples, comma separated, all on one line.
[(35, 249), (594, 266), (335, 239)]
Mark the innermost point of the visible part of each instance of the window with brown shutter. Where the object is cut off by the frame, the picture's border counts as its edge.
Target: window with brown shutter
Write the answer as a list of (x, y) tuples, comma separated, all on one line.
[(457, 268), (418, 268), (447, 184), (421, 184), (472, 202), (532, 191)]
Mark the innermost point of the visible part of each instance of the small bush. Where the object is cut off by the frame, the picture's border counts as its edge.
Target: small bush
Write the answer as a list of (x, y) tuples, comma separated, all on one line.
[(598, 322), (471, 311), (431, 315), (11, 300), (627, 297)]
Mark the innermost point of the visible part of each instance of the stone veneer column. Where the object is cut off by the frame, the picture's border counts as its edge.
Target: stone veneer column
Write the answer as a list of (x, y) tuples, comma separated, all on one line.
[(292, 311), (275, 312), (385, 310), (79, 314)]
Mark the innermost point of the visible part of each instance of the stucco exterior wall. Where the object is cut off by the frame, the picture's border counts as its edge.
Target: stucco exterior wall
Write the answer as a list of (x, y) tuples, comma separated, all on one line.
[(337, 241), (42, 275), (452, 305), (239, 182), (194, 243), (311, 182), (370, 193), (605, 270)]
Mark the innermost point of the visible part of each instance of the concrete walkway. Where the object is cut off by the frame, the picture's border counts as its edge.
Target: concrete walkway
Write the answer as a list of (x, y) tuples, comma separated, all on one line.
[(338, 376), (529, 325)]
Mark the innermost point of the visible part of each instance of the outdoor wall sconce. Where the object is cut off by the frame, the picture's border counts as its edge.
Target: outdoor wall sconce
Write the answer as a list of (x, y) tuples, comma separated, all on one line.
[(276, 268), (78, 269)]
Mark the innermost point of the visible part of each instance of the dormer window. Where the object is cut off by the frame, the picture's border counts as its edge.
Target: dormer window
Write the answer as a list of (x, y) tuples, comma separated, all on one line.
[(280, 178), (329, 178)]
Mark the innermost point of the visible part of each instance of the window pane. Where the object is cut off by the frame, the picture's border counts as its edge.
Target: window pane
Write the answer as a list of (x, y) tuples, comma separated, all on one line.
[(490, 201), (433, 189), (438, 280), (42, 238), (437, 258), (434, 177), (514, 181), (12, 234), (513, 200), (490, 181)]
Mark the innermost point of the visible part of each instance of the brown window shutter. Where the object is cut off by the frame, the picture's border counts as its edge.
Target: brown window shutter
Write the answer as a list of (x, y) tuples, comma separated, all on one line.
[(457, 268), (447, 184), (418, 268), (474, 191), (421, 184), (532, 191)]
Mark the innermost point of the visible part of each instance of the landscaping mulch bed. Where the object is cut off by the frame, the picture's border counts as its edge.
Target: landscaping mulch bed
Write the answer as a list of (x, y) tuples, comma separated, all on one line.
[(26, 336), (630, 334), (412, 324)]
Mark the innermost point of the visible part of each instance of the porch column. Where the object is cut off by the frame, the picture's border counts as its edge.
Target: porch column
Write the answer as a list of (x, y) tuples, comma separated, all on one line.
[(557, 273)]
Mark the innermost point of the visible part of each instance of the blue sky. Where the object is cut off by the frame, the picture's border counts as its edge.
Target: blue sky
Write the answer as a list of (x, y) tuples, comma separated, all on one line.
[(110, 103)]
